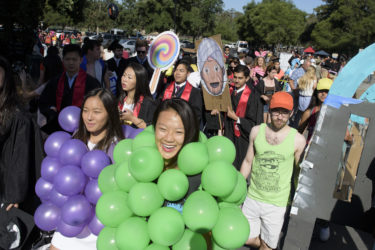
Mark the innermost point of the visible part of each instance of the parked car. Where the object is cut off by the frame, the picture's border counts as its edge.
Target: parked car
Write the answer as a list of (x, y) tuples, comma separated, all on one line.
[(231, 45), (128, 44), (187, 44), (242, 46)]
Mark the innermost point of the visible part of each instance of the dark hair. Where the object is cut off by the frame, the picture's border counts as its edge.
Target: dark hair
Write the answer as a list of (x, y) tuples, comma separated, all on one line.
[(270, 68), (242, 68), (235, 60), (141, 86), (53, 50), (72, 48), (8, 96), (187, 115), (90, 45), (141, 43), (115, 45), (113, 126), (184, 62), (226, 47)]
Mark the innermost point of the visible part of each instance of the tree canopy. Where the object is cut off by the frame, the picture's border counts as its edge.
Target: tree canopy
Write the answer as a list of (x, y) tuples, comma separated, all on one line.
[(271, 22), (344, 25)]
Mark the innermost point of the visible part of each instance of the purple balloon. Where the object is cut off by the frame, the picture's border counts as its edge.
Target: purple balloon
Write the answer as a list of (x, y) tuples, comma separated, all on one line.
[(54, 142), (93, 162), (72, 152), (69, 118), (92, 191), (68, 230), (70, 180), (84, 234), (76, 211), (50, 167), (43, 189), (47, 216), (57, 199), (130, 132), (95, 225)]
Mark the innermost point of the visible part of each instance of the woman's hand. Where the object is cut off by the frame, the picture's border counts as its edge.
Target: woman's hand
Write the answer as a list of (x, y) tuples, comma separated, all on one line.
[(265, 98), (9, 207), (215, 112), (127, 115)]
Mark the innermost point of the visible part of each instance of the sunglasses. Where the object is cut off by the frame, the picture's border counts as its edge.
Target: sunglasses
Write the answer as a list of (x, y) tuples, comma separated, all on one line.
[(141, 52)]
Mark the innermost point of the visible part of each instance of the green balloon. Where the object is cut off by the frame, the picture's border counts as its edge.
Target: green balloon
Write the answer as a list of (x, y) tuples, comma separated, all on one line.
[(190, 240), (221, 148), (219, 178), (150, 129), (144, 198), (193, 158), (144, 139), (202, 137), (106, 179), (122, 150), (132, 234), (123, 177), (232, 228), (173, 184), (166, 226), (227, 204), (106, 239), (200, 212), (239, 191), (112, 208), (155, 246), (146, 164), (215, 246)]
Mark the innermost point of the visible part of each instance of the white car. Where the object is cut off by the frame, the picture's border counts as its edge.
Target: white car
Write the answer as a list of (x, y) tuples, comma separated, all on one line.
[(128, 45), (231, 45)]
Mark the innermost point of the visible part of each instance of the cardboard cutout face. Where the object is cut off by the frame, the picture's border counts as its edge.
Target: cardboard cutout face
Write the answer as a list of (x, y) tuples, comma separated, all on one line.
[(211, 66), (212, 75)]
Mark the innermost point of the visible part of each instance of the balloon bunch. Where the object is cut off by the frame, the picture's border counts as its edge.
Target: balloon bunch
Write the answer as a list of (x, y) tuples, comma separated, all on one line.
[(68, 186), (136, 187)]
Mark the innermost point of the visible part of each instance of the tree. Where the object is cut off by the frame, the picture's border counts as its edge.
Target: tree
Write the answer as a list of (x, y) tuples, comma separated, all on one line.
[(225, 24), (271, 22), (345, 26)]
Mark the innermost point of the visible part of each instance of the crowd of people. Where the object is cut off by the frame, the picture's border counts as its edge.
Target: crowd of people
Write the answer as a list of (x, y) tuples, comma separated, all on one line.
[(269, 113)]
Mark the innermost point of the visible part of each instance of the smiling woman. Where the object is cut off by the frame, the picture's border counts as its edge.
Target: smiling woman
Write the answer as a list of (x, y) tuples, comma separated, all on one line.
[(175, 126)]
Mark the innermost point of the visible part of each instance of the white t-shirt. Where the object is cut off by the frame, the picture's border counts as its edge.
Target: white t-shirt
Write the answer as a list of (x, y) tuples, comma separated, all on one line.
[(84, 241)]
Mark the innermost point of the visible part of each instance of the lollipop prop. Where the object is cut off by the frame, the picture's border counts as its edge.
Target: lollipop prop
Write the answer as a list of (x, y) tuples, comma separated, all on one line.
[(163, 52)]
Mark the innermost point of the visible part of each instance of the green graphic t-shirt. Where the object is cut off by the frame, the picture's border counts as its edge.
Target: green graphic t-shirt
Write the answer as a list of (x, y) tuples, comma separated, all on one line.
[(272, 169)]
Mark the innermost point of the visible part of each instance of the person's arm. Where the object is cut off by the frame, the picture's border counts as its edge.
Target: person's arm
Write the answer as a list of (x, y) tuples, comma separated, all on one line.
[(291, 84), (304, 121), (107, 75), (248, 161), (47, 101), (299, 146)]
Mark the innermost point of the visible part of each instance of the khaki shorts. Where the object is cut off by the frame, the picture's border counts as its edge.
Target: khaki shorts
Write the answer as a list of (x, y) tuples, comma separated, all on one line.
[(265, 220)]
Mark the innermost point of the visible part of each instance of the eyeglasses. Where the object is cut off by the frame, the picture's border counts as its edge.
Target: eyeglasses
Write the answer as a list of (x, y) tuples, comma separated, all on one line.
[(282, 112), (141, 52)]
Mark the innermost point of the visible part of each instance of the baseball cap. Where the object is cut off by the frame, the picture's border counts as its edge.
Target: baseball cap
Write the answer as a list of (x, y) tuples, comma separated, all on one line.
[(281, 100), (324, 83)]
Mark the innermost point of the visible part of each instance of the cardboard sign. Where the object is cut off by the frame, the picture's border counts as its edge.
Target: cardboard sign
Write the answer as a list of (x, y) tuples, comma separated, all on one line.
[(221, 102), (216, 92)]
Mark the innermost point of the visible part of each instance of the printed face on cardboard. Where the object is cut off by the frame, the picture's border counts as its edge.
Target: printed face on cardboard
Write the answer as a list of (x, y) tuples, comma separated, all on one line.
[(211, 66), (212, 75)]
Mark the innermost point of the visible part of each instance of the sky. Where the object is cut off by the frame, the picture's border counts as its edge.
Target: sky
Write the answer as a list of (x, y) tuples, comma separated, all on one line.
[(305, 5)]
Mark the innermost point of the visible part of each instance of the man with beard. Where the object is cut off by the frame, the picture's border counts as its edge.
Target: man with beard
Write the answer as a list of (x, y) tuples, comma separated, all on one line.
[(272, 156)]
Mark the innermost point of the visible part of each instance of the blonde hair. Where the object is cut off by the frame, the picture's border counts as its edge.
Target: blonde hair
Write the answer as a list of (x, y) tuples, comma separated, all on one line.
[(257, 64), (324, 73), (309, 76)]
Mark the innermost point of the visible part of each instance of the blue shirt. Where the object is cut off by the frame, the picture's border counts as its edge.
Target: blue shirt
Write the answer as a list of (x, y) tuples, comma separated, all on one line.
[(71, 80), (297, 74)]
